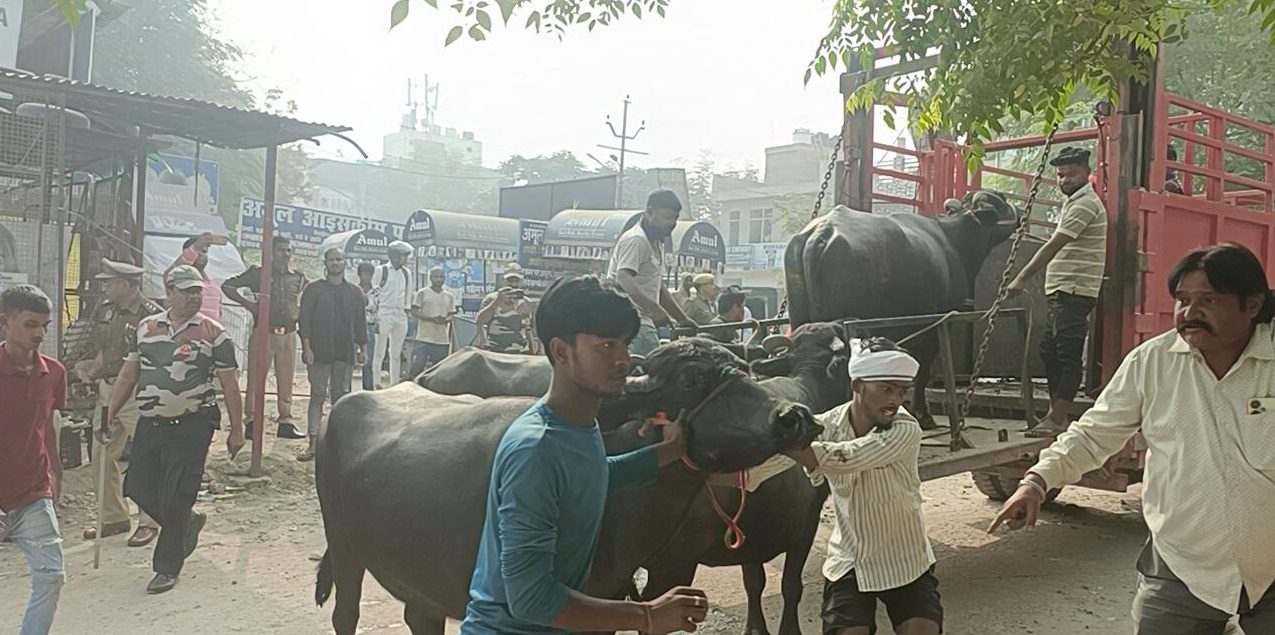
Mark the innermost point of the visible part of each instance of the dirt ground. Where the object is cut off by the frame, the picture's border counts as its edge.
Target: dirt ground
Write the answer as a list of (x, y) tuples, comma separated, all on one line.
[(255, 567)]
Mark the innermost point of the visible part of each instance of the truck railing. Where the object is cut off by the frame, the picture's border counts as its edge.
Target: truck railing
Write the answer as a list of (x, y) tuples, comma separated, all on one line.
[(1212, 154), (940, 323)]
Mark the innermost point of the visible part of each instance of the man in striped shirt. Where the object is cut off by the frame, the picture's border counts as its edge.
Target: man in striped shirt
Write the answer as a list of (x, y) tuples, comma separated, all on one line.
[(867, 452), (1073, 260)]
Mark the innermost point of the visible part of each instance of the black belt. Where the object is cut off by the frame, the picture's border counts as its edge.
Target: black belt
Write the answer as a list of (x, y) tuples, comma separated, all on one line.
[(204, 416)]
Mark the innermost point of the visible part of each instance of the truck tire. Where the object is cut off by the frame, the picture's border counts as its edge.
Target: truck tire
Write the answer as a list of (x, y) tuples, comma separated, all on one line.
[(997, 489)]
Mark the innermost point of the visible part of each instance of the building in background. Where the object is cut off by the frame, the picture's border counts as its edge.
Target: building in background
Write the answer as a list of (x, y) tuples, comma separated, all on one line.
[(423, 165), (758, 217), (421, 138)]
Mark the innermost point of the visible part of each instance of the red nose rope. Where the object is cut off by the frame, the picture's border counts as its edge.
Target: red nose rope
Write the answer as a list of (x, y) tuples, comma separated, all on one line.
[(733, 537)]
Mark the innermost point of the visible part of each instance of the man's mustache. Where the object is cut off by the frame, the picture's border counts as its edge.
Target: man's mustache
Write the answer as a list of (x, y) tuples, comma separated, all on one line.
[(1196, 324)]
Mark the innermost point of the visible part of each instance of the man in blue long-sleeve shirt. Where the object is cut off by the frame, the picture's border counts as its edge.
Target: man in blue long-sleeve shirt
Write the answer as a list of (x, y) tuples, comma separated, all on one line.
[(550, 481)]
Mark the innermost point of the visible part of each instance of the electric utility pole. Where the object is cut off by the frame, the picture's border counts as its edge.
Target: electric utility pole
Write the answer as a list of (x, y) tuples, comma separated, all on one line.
[(624, 137)]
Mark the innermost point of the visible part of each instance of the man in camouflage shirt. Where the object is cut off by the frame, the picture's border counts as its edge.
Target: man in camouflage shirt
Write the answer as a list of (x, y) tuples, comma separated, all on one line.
[(173, 359), (114, 320)]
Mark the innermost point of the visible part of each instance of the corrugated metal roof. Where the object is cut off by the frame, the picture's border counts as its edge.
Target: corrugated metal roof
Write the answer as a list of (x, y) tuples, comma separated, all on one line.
[(202, 121)]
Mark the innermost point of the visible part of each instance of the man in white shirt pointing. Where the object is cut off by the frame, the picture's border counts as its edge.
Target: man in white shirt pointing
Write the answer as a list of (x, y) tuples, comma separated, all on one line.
[(868, 451), (1203, 397)]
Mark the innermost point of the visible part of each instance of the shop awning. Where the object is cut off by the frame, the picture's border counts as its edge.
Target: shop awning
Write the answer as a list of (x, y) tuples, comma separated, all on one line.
[(455, 235), (699, 241), (358, 244), (586, 234)]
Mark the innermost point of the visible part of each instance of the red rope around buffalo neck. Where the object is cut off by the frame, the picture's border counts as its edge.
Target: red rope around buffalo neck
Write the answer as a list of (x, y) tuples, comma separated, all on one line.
[(733, 537)]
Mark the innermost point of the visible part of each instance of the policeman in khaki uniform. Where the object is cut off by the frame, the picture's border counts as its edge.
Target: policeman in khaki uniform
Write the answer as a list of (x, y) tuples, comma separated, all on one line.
[(703, 308), (116, 318)]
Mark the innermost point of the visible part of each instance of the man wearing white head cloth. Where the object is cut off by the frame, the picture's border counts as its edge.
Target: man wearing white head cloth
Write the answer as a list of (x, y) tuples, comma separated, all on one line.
[(867, 452)]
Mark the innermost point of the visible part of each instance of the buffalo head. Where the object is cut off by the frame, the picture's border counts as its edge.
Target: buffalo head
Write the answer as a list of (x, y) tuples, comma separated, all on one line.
[(986, 210), (733, 423), (818, 343)]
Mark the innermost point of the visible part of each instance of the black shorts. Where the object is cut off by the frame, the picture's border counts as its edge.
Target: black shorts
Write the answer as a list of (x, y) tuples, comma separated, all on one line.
[(845, 606)]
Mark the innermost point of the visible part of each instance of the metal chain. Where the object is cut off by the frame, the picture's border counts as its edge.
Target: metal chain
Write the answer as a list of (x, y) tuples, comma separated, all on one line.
[(827, 177), (1003, 292)]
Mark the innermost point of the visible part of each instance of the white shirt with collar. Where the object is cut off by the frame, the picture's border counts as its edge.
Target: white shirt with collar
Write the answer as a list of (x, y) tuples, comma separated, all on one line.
[(394, 295), (1208, 493), (876, 493)]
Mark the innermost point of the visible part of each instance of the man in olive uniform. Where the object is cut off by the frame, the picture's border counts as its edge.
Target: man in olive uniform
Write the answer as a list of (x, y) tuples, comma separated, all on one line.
[(285, 307), (703, 308), (505, 316), (174, 358), (115, 319)]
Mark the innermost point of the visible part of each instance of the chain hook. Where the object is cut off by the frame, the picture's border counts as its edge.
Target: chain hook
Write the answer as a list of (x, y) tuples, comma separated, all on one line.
[(958, 441), (827, 177)]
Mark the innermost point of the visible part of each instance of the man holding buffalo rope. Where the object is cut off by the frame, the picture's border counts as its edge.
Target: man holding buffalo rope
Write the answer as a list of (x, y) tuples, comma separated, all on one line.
[(1203, 397), (173, 359), (1073, 260), (551, 477), (637, 263), (868, 452)]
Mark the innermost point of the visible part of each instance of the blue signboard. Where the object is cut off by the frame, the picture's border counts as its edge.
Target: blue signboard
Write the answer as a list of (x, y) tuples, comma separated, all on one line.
[(172, 182), (305, 227)]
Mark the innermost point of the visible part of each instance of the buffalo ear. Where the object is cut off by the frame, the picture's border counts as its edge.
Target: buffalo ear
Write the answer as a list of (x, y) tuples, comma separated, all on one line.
[(773, 366), (986, 216)]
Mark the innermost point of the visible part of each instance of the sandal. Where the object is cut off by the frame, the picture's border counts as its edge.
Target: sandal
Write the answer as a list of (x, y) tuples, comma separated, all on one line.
[(108, 530), (1043, 431), (143, 536), (305, 457)]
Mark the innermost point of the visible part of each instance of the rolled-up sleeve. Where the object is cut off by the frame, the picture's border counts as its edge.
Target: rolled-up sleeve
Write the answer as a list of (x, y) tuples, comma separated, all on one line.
[(878, 448), (632, 469), (773, 467), (527, 519), (1099, 433)]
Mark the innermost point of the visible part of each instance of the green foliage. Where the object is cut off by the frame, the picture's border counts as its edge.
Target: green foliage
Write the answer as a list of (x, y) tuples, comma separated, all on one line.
[(793, 211), (562, 165), (553, 17), (170, 48), (995, 59), (699, 186), (1020, 59)]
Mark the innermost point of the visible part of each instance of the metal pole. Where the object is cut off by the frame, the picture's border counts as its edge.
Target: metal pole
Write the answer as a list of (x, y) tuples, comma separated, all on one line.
[(259, 357), (624, 141), (198, 146), (625, 138), (139, 203)]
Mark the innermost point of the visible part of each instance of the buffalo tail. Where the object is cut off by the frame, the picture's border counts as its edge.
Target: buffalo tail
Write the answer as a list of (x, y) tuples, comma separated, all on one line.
[(323, 585)]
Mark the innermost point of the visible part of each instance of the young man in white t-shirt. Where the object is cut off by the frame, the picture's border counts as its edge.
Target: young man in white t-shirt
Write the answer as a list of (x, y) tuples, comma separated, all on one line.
[(433, 308), (637, 263)]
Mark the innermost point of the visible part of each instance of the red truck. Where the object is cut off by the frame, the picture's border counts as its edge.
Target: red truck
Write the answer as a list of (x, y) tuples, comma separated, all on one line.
[(1224, 167)]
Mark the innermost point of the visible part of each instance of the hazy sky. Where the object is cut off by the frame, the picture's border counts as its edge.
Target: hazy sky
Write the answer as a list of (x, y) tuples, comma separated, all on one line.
[(717, 75)]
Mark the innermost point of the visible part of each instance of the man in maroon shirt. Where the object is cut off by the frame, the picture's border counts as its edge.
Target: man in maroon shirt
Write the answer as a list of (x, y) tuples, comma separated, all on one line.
[(32, 386)]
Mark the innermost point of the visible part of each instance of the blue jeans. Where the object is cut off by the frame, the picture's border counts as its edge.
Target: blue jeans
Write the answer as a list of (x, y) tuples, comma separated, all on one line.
[(646, 340), (369, 376), (327, 382), (426, 354), (34, 529)]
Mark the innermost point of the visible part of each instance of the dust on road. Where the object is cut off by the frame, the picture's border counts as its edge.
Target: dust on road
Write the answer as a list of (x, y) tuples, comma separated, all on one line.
[(254, 569)]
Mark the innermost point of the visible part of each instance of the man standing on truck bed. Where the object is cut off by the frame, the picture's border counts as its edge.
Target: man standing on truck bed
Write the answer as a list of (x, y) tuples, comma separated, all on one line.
[(1203, 397), (637, 263), (1073, 260)]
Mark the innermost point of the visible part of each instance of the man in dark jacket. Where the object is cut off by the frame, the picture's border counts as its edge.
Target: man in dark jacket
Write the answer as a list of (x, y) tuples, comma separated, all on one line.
[(333, 328)]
